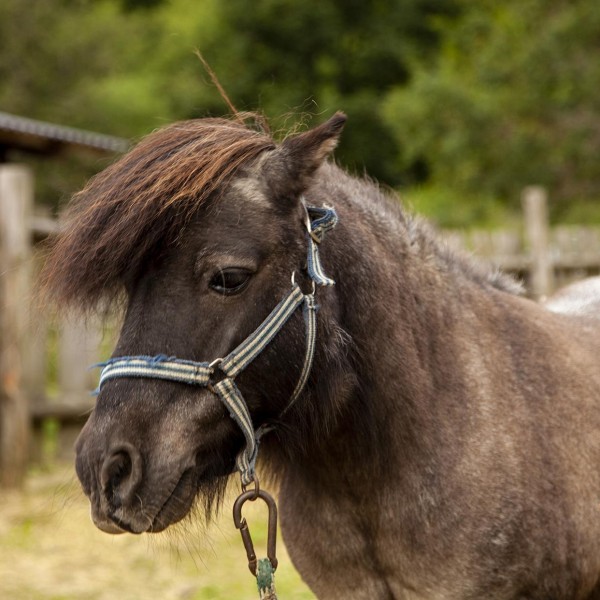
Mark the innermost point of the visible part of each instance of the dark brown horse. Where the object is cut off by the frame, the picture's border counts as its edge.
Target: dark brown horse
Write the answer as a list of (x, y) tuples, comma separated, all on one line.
[(447, 441)]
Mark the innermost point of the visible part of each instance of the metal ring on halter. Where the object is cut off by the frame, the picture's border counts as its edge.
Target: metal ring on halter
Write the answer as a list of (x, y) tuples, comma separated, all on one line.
[(256, 489), (307, 222), (212, 366), (314, 237), (314, 285), (215, 363)]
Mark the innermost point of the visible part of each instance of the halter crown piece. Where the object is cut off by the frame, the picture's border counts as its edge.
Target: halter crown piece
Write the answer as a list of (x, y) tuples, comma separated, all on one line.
[(319, 220)]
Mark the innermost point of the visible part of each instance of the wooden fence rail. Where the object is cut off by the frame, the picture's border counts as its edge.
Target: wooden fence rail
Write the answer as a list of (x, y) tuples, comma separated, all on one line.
[(44, 361), (544, 258)]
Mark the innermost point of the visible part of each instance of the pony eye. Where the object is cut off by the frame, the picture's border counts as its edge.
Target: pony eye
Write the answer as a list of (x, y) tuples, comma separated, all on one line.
[(230, 281)]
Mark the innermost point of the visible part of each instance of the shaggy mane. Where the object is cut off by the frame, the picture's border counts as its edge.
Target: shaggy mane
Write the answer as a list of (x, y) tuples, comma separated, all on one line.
[(142, 202)]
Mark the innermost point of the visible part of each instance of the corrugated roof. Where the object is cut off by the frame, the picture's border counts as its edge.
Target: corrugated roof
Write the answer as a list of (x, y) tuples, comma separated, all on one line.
[(41, 137)]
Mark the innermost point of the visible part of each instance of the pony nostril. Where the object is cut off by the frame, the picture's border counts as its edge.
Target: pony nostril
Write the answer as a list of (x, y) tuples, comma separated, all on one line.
[(115, 469), (121, 474)]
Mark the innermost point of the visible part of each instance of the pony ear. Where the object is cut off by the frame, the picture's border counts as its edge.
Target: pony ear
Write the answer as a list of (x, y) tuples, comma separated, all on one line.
[(299, 156)]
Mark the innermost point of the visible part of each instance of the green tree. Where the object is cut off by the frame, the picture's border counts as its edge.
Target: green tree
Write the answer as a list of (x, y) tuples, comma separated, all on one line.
[(113, 66), (128, 66), (53, 54), (511, 100), (319, 57)]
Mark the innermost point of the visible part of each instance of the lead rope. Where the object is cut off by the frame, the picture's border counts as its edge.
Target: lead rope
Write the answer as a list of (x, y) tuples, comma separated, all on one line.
[(265, 580), (318, 222)]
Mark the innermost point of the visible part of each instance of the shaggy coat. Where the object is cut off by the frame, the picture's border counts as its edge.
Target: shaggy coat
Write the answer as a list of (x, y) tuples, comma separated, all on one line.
[(447, 445)]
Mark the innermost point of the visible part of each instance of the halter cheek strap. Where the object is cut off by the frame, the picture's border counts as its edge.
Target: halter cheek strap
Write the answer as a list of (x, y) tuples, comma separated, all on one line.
[(204, 374)]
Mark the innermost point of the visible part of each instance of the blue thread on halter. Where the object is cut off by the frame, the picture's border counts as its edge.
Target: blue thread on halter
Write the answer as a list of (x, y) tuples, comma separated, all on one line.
[(318, 222)]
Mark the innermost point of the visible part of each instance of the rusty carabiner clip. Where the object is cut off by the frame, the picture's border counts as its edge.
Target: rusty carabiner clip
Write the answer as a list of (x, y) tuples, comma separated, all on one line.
[(242, 525)]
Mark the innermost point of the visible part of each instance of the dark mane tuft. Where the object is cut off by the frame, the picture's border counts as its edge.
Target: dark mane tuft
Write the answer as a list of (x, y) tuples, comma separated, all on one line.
[(143, 200)]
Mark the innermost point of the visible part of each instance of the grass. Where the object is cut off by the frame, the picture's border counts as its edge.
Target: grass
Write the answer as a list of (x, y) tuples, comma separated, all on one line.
[(50, 550)]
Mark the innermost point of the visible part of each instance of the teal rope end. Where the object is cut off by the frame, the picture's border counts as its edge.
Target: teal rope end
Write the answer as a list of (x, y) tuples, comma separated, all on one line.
[(265, 579)]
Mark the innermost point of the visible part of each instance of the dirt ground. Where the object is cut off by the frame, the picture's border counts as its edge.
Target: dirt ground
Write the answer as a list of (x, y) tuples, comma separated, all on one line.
[(50, 550)]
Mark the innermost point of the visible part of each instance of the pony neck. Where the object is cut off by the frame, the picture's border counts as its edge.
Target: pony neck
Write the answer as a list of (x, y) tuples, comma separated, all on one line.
[(401, 302)]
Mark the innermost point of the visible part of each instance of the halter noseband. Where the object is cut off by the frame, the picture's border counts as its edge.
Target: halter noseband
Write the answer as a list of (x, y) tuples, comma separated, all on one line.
[(318, 222)]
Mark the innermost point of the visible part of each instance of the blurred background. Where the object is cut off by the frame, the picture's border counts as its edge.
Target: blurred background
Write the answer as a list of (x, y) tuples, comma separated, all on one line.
[(458, 104), (484, 116)]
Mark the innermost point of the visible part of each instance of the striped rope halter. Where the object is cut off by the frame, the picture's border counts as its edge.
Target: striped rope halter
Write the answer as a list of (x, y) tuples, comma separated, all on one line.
[(318, 222)]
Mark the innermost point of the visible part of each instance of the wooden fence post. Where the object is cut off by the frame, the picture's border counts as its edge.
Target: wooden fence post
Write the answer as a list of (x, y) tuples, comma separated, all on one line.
[(35, 351), (535, 206), (16, 205)]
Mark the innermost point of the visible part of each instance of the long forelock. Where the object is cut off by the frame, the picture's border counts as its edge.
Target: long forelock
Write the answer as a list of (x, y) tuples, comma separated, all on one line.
[(141, 203)]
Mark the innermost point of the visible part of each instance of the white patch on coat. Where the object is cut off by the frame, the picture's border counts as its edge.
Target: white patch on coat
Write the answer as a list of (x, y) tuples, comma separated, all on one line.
[(250, 186)]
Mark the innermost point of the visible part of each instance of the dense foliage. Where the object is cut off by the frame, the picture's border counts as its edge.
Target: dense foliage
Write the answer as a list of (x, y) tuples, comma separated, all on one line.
[(512, 99), (457, 103)]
